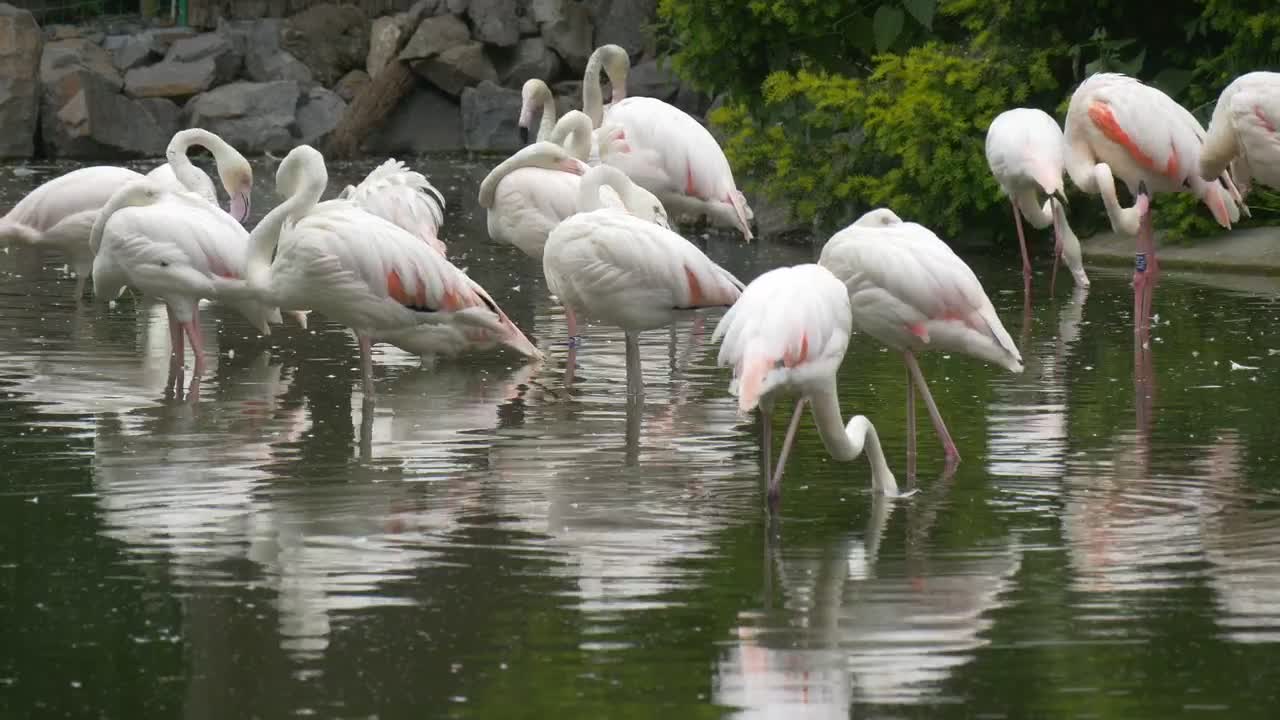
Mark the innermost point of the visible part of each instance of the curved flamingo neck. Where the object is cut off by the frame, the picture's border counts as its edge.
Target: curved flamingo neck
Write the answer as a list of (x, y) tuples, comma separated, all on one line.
[(547, 125), (848, 442), (266, 235), (530, 156), (598, 177), (592, 92), (176, 154), (574, 133)]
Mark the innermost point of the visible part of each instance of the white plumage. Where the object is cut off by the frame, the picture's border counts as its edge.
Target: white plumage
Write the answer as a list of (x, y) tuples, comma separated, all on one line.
[(628, 271), (366, 273), (529, 194), (404, 197), (174, 247), (631, 273), (1243, 133), (788, 332), (1025, 150), (670, 153), (910, 291)]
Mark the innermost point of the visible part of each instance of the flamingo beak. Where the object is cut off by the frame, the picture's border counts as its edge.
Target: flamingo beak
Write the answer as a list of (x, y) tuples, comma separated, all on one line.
[(240, 207), (1062, 198)]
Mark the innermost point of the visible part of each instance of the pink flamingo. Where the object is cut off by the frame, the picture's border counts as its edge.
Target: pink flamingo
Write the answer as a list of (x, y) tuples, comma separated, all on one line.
[(788, 333), (910, 291), (1118, 127)]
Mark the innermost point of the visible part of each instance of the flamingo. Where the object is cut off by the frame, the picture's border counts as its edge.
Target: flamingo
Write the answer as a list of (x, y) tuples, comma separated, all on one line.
[(178, 174), (46, 218), (1242, 134), (394, 192), (1024, 151), (1118, 127), (672, 155), (629, 272), (788, 333), (536, 100), (172, 246), (910, 291), (365, 272)]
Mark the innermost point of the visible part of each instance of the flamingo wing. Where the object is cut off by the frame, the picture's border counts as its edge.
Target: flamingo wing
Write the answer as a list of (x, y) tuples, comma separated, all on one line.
[(631, 272), (79, 190), (692, 160), (394, 192), (905, 281), (1255, 114), (376, 277), (790, 324)]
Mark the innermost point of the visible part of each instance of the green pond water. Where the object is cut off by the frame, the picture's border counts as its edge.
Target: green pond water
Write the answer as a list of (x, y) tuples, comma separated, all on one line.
[(487, 542)]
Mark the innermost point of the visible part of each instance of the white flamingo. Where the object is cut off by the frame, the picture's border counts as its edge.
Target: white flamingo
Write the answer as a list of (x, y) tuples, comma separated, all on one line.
[(910, 291), (788, 334), (536, 100), (59, 214), (178, 174), (671, 154), (1025, 150), (1243, 133), (394, 192), (173, 246), (364, 272), (532, 191), (628, 272)]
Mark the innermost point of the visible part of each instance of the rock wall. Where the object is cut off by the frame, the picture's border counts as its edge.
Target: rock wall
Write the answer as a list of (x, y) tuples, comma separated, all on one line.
[(121, 88)]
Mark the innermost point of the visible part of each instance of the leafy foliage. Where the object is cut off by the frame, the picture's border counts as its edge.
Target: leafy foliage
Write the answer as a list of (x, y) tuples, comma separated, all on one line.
[(836, 107)]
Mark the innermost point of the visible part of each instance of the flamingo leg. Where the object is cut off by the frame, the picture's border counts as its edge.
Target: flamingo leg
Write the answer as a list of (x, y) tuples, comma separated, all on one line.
[(571, 319), (911, 426), (1022, 243), (1144, 269), (766, 438), (948, 446), (1057, 252), (80, 284), (177, 350), (775, 481), (366, 365), (635, 382), (197, 344)]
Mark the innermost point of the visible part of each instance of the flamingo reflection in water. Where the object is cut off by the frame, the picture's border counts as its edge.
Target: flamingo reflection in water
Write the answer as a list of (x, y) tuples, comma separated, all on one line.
[(857, 626)]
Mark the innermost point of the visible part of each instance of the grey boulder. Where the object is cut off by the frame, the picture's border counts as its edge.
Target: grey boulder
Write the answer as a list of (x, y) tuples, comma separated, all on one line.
[(20, 55), (489, 115), (254, 117)]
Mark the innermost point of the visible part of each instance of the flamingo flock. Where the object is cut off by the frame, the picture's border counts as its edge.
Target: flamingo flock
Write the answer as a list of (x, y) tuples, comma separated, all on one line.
[(594, 200)]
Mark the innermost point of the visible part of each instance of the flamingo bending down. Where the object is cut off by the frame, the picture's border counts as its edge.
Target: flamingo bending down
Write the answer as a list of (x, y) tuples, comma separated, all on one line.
[(629, 272), (788, 333), (176, 247), (1025, 153), (178, 174), (910, 291), (394, 192), (1118, 127), (366, 273), (672, 155), (1242, 134)]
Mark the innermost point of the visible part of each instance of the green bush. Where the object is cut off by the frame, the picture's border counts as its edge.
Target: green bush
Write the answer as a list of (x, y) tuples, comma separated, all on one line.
[(838, 107)]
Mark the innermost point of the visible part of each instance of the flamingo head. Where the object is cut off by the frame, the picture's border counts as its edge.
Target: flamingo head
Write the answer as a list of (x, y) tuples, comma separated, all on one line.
[(237, 179), (301, 163), (534, 95)]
